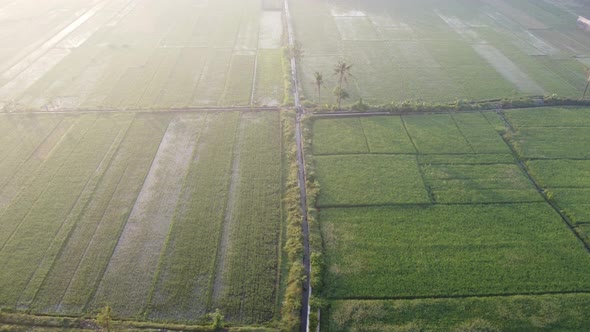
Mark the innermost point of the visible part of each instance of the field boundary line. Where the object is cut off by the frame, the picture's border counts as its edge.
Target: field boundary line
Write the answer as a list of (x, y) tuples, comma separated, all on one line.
[(378, 112), (555, 159), (459, 296), (364, 135), (46, 186), (422, 205), (427, 186), (462, 134), (521, 164)]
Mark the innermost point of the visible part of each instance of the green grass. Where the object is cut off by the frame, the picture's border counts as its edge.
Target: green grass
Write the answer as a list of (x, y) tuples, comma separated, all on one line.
[(339, 136), (238, 86), (450, 250), (514, 313), (482, 137), (78, 268), (182, 286), (386, 135), (574, 201), (127, 280), (251, 271), (122, 122), (561, 173), (183, 78), (437, 134), (269, 78), (549, 117), (52, 207), (465, 159), (550, 143), (479, 184), (369, 180)]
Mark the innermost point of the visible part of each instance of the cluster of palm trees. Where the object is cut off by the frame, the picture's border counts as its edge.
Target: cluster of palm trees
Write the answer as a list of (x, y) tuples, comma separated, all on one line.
[(342, 70)]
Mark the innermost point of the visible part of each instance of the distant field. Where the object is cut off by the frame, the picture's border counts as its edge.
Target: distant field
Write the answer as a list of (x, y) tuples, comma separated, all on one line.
[(442, 51), (164, 216), (140, 54), (456, 226)]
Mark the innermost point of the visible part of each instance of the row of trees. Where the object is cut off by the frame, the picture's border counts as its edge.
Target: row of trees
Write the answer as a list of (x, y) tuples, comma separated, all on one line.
[(343, 70)]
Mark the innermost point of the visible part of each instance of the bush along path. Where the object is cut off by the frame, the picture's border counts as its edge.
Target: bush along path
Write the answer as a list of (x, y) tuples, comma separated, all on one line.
[(301, 171)]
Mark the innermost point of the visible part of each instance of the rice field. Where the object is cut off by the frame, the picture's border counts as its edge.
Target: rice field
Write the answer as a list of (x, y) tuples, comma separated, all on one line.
[(458, 235), (165, 216), (132, 54), (443, 51)]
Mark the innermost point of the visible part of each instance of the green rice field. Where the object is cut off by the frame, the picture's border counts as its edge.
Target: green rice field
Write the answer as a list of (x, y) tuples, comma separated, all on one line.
[(160, 215), (134, 54), (440, 51), (150, 162), (457, 235)]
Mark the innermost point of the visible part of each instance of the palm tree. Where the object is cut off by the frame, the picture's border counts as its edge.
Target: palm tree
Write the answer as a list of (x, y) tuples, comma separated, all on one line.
[(342, 70), (587, 82), (319, 82)]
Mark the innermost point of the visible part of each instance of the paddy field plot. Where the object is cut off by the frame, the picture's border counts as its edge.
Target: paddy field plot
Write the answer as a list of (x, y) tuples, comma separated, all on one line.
[(553, 142), (442, 51), (456, 227), (132, 54), (165, 216)]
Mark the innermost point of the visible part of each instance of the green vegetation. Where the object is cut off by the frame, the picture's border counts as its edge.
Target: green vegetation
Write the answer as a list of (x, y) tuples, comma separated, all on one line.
[(478, 241), (398, 252), (554, 141), (166, 196), (250, 276), (494, 183), (130, 57), (369, 180), (512, 313)]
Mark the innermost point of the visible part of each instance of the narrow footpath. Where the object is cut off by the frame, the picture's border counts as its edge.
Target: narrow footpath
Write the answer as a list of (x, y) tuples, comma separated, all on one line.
[(301, 174)]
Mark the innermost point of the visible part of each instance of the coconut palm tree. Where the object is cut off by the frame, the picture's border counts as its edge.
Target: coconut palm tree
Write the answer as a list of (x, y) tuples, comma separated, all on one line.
[(342, 70), (319, 82)]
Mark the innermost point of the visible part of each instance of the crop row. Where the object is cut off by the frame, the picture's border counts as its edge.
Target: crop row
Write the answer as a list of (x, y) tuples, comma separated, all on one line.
[(77, 270), (250, 275), (49, 211), (182, 288), (128, 277)]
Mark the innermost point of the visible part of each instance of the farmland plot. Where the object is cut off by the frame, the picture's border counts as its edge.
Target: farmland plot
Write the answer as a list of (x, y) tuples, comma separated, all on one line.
[(463, 219), (554, 142), (433, 51), (161, 215), (138, 54)]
